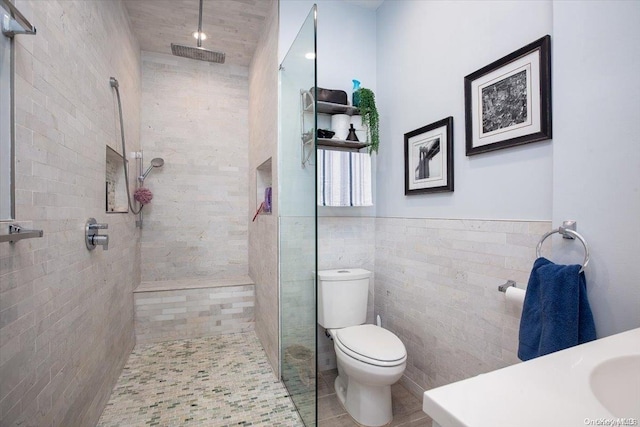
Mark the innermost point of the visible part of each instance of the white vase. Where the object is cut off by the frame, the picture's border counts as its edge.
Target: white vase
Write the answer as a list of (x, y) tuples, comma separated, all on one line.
[(361, 130)]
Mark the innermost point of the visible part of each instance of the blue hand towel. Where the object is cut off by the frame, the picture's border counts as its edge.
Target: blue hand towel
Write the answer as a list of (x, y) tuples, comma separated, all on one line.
[(556, 313)]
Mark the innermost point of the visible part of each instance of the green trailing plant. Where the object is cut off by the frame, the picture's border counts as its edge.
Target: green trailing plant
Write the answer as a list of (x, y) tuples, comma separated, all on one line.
[(369, 114)]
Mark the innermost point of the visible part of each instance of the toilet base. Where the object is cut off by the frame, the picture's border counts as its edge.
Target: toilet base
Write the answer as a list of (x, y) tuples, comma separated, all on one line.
[(369, 406)]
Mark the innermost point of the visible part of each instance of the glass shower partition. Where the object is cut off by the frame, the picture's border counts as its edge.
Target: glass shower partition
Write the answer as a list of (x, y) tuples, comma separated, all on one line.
[(297, 220)]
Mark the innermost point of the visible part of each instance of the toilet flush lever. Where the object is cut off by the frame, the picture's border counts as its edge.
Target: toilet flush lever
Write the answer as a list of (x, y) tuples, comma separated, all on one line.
[(91, 236)]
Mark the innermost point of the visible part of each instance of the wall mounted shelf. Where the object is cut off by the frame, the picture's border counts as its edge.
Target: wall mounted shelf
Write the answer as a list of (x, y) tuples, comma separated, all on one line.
[(331, 108), (328, 108), (337, 143)]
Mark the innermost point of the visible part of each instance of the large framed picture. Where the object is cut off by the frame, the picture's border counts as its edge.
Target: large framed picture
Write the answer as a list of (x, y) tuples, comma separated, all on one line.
[(508, 102), (428, 158)]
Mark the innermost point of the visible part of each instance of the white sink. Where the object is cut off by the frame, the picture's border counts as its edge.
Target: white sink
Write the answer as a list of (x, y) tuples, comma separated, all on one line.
[(582, 385), (616, 385)]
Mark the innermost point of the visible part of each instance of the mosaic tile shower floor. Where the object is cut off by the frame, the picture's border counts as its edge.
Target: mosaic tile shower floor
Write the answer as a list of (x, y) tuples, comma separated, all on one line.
[(218, 381)]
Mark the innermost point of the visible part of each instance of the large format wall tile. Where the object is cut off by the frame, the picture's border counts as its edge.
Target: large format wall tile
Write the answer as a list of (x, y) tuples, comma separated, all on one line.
[(344, 242), (195, 116), (436, 288), (263, 145), (193, 313), (66, 314)]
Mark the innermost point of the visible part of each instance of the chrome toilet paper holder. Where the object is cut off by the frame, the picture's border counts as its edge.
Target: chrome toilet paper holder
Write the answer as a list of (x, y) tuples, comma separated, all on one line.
[(504, 287)]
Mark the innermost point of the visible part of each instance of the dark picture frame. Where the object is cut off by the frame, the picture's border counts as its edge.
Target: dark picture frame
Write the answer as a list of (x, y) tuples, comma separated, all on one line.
[(508, 102), (428, 158)]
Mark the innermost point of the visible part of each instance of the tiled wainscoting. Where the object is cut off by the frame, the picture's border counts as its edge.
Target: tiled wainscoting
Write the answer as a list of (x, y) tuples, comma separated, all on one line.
[(193, 308), (344, 242), (436, 287)]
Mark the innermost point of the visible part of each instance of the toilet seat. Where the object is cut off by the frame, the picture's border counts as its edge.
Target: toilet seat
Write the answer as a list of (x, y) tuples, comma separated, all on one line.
[(371, 344)]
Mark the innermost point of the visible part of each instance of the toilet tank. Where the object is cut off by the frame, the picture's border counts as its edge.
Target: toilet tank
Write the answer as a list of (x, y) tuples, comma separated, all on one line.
[(342, 297)]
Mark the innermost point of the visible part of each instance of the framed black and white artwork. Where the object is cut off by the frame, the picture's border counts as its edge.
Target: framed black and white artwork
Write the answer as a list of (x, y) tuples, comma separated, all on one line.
[(428, 158), (508, 102)]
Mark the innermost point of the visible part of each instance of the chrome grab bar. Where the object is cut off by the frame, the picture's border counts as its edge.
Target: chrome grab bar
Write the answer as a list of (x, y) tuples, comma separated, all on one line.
[(14, 23), (18, 233)]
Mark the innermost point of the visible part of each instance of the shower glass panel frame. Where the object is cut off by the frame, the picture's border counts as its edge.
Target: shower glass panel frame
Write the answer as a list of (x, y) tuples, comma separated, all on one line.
[(297, 222)]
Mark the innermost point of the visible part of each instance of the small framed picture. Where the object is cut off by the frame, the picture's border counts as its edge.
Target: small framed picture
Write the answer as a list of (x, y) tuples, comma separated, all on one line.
[(508, 102), (428, 158)]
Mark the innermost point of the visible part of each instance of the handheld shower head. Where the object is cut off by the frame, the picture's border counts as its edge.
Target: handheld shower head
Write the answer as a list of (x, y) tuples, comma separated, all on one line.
[(155, 163), (113, 82)]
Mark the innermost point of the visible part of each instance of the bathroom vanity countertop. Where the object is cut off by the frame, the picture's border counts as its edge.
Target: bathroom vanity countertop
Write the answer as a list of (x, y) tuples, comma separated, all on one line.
[(552, 390)]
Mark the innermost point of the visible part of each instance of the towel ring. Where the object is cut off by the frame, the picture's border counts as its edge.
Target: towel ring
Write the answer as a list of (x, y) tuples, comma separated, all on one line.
[(572, 233)]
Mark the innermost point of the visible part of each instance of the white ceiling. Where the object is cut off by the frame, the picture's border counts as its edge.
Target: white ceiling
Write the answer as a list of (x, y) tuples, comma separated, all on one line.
[(231, 26)]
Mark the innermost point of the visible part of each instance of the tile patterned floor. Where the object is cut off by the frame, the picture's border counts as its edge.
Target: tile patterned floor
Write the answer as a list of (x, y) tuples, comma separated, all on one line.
[(217, 381), (407, 409)]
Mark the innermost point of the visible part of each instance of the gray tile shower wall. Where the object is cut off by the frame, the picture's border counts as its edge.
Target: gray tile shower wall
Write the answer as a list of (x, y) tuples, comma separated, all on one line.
[(193, 313), (263, 145), (436, 288), (195, 116), (66, 314)]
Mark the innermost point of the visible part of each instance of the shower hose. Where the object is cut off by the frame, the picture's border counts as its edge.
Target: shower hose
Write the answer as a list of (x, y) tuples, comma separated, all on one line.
[(114, 84)]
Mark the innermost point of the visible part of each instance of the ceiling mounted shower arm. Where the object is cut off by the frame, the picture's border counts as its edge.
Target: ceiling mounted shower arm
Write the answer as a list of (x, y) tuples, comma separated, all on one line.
[(199, 53), (200, 25)]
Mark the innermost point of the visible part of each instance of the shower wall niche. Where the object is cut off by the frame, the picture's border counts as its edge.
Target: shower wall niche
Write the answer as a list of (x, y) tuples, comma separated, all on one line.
[(264, 181), (116, 191)]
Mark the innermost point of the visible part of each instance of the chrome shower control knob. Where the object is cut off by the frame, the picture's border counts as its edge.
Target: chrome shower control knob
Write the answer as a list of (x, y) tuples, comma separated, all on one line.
[(100, 240), (91, 236)]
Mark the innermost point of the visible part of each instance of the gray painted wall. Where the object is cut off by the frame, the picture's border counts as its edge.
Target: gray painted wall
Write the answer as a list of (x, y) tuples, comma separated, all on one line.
[(425, 48), (596, 61), (346, 51)]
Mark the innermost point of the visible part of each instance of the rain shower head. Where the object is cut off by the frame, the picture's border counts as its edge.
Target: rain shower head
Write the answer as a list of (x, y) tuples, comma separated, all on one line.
[(198, 52), (155, 163)]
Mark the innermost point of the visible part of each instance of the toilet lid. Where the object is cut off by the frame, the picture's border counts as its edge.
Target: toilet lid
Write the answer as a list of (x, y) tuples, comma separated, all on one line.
[(371, 344)]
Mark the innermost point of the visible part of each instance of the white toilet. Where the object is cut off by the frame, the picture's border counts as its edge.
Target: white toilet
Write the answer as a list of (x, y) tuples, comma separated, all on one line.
[(370, 358)]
